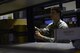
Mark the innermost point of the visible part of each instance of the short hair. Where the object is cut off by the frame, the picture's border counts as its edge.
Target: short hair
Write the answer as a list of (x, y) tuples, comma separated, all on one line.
[(57, 9)]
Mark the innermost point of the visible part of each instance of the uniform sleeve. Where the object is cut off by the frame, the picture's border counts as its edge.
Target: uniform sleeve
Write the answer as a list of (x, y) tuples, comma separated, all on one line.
[(63, 25)]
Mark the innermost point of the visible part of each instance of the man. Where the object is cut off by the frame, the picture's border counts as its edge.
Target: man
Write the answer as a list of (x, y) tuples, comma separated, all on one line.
[(46, 34)]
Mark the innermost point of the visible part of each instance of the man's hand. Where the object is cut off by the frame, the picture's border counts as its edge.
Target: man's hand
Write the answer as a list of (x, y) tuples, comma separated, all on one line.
[(38, 35), (42, 37)]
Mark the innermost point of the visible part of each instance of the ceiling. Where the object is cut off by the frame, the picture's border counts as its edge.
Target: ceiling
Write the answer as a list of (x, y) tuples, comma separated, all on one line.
[(18, 4)]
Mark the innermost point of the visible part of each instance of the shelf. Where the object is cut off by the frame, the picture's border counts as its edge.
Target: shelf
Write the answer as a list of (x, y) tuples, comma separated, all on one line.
[(40, 48), (18, 4)]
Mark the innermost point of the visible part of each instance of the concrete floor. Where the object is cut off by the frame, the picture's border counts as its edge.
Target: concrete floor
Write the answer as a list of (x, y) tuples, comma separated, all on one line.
[(40, 48)]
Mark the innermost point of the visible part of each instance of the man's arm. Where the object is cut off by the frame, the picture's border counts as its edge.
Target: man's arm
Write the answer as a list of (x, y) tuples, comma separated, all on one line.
[(42, 37)]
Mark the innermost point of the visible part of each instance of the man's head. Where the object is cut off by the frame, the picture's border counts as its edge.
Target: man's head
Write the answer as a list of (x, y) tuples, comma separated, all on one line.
[(55, 14)]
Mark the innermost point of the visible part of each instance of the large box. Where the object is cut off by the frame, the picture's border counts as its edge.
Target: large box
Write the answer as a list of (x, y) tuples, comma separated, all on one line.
[(67, 34)]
